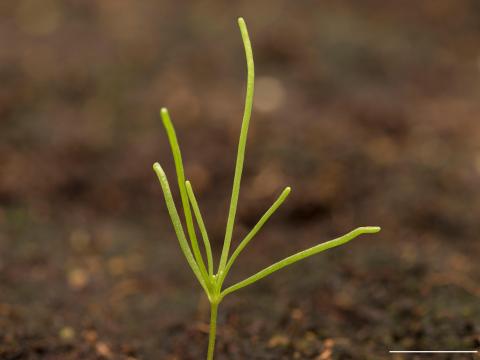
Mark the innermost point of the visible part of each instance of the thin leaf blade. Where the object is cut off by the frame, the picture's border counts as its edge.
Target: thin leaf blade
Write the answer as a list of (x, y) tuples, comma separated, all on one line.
[(177, 158), (201, 225), (177, 225), (300, 256), (241, 144), (255, 230)]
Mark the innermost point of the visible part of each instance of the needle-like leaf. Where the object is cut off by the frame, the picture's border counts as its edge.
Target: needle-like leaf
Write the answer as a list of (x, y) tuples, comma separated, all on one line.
[(255, 230), (241, 144), (300, 256), (201, 225), (177, 225), (177, 157)]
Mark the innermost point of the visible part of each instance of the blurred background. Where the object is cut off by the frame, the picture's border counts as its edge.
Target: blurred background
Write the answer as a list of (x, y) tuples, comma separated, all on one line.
[(369, 110)]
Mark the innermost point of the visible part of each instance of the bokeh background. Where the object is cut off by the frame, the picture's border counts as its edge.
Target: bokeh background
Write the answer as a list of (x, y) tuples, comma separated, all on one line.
[(369, 110)]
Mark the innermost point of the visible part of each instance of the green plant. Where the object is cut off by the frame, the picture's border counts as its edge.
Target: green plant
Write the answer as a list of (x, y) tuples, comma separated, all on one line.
[(211, 282)]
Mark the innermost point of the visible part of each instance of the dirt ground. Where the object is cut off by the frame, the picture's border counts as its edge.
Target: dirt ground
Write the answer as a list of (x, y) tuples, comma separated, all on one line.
[(369, 110)]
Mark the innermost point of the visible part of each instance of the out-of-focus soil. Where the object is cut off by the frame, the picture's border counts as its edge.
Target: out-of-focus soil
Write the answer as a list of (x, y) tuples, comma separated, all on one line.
[(369, 110)]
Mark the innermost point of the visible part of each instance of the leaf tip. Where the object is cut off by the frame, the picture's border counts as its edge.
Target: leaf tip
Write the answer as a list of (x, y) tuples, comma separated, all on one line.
[(164, 111), (371, 229), (156, 167)]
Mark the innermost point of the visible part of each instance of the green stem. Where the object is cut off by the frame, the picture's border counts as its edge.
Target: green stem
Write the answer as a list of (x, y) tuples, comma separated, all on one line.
[(213, 330)]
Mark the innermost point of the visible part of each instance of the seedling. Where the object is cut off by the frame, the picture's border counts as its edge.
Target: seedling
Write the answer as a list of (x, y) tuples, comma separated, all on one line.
[(211, 282)]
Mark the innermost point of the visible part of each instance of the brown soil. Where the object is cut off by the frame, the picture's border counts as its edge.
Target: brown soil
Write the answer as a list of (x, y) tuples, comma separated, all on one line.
[(369, 110)]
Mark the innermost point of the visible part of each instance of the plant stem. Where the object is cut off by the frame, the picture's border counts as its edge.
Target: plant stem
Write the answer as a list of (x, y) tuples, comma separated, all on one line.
[(213, 330)]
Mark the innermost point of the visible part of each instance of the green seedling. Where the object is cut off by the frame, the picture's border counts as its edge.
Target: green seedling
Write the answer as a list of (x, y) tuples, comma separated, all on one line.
[(211, 282)]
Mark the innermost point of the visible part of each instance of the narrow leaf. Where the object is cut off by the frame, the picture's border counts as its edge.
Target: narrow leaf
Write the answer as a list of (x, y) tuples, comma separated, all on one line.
[(300, 256), (177, 157), (241, 144), (201, 225), (255, 230), (177, 225)]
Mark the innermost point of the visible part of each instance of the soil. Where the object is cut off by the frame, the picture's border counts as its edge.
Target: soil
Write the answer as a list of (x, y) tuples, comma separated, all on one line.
[(368, 110)]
